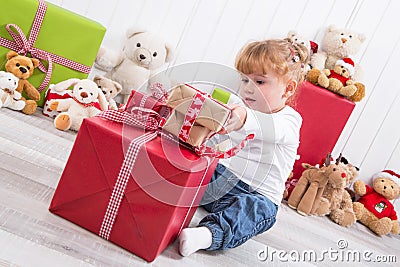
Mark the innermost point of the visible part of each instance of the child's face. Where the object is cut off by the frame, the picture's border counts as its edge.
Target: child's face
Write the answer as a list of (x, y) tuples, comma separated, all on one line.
[(264, 93)]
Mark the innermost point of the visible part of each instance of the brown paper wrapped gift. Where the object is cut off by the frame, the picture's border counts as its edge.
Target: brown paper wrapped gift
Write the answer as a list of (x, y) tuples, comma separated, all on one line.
[(197, 134), (211, 118)]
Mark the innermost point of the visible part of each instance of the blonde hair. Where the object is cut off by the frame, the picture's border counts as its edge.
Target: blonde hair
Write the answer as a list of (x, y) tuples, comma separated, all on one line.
[(286, 59)]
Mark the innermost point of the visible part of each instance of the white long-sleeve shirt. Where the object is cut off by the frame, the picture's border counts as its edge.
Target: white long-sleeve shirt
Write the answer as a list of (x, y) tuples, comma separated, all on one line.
[(267, 160)]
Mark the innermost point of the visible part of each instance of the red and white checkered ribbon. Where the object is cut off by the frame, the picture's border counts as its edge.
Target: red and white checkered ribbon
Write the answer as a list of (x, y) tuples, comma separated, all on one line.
[(139, 117), (122, 182), (24, 46)]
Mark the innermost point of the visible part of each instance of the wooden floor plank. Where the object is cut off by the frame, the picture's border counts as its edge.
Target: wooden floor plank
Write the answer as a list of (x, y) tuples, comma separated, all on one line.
[(32, 157)]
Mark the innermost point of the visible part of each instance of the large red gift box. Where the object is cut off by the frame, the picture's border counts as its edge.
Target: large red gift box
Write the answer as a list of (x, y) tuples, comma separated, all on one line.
[(166, 185), (324, 116)]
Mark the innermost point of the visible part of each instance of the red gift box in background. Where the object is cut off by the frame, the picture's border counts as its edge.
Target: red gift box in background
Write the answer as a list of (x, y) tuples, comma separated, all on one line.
[(324, 116), (164, 189), (138, 99)]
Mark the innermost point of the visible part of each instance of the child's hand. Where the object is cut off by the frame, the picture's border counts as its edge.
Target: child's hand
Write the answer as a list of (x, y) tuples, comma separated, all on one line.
[(236, 121)]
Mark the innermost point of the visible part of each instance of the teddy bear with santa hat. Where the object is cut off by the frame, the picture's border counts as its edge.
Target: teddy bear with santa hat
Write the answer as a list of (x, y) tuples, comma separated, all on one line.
[(374, 208)]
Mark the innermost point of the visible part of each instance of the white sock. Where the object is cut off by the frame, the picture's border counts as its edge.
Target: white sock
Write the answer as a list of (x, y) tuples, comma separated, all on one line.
[(193, 239)]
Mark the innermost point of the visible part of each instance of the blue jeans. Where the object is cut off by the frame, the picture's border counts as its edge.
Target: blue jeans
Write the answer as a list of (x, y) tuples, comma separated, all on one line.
[(237, 213)]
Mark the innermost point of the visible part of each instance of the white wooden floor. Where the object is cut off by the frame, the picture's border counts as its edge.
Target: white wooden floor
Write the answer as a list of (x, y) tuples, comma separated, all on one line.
[(32, 156)]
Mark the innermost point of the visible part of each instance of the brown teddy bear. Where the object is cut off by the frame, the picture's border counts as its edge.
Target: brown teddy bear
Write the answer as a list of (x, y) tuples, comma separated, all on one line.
[(374, 209), (22, 67), (338, 80), (336, 201)]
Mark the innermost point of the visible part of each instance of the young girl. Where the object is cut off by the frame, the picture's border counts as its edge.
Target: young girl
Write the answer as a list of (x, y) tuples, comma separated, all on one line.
[(246, 190)]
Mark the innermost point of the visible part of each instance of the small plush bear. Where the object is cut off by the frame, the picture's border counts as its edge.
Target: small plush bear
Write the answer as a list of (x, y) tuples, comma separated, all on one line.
[(338, 43), (295, 37), (143, 54), (339, 80), (374, 209), (9, 97), (85, 94), (22, 67), (110, 90)]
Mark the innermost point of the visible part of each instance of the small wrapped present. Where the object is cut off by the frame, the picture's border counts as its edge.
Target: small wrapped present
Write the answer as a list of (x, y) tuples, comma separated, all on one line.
[(52, 34), (136, 190), (155, 101), (195, 115), (221, 95), (198, 133)]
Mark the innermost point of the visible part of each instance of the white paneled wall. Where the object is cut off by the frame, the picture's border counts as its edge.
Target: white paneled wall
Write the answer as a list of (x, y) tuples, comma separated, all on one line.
[(214, 31)]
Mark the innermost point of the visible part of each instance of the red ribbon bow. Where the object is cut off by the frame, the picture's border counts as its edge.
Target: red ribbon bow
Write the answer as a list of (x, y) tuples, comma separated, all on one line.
[(139, 117), (23, 46)]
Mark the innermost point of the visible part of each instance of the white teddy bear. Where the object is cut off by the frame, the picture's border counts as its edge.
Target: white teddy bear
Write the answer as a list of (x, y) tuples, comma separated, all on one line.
[(84, 96), (338, 44), (9, 97), (295, 37), (312, 47), (143, 53)]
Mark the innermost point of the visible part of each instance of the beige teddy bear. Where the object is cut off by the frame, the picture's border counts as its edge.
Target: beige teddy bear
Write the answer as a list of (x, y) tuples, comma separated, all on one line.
[(297, 38), (9, 97), (109, 88), (338, 43), (142, 56), (73, 110), (374, 208)]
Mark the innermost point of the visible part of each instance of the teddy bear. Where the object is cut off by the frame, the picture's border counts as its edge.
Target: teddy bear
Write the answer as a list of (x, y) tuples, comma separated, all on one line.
[(336, 44), (85, 93), (22, 67), (336, 200), (142, 55), (110, 90), (373, 208), (9, 97), (295, 37), (339, 80)]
